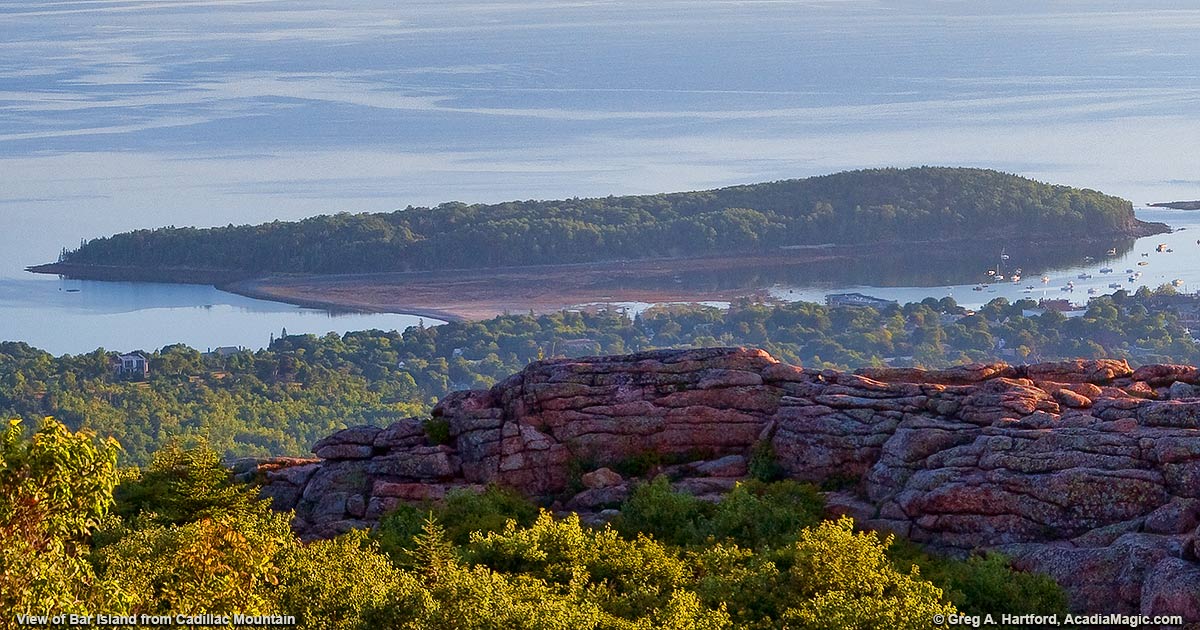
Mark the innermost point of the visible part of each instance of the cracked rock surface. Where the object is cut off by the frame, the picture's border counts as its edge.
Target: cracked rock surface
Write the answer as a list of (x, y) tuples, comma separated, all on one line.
[(1086, 470)]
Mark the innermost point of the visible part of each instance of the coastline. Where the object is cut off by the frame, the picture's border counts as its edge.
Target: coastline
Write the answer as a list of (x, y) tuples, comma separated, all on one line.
[(476, 294)]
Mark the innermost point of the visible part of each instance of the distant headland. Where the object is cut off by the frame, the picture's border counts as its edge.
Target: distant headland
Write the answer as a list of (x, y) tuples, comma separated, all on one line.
[(1177, 205)]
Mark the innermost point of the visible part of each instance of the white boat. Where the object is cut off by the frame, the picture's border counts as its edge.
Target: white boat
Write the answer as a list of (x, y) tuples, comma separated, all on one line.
[(1045, 279), (1112, 251), (1177, 282), (1016, 279), (1084, 276)]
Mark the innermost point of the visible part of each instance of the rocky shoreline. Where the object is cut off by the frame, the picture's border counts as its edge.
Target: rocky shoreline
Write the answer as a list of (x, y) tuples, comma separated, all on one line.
[(1086, 470)]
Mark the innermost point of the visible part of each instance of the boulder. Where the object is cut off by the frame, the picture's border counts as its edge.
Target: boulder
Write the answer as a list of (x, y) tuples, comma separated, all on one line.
[(601, 478)]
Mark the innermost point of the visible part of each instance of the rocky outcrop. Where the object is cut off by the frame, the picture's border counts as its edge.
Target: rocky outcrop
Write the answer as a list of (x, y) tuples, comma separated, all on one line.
[(1086, 470)]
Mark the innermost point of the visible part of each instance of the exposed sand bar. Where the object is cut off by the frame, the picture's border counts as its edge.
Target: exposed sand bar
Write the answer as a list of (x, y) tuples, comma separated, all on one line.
[(483, 294)]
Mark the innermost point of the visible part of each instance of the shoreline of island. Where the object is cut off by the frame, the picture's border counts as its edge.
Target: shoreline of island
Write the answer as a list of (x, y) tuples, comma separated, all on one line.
[(475, 294)]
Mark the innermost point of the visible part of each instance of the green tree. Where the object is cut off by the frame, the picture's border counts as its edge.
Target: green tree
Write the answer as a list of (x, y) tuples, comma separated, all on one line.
[(55, 488)]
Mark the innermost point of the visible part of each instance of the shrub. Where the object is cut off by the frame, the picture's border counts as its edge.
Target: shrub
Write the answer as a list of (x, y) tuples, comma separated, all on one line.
[(754, 514), (757, 514), (672, 517), (364, 581), (180, 486), (438, 431), (55, 489), (461, 514), (984, 584), (763, 464), (845, 579)]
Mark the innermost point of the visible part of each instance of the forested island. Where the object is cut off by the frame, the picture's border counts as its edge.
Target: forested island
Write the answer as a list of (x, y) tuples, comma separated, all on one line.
[(280, 400), (1177, 205), (927, 204)]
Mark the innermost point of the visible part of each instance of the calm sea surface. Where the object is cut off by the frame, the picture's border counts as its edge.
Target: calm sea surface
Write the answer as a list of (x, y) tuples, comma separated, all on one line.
[(121, 114)]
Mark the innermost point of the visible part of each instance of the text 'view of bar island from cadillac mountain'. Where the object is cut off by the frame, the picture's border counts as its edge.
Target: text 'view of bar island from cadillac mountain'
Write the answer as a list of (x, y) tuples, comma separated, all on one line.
[(630, 314)]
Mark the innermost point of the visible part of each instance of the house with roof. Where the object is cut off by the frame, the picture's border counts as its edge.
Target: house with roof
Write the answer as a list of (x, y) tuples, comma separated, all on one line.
[(132, 365)]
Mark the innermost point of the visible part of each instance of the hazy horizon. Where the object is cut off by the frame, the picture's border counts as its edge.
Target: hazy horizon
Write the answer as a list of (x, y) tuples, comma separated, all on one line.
[(133, 113)]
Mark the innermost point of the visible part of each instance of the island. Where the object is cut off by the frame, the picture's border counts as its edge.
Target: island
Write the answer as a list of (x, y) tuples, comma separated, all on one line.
[(1177, 205), (472, 261)]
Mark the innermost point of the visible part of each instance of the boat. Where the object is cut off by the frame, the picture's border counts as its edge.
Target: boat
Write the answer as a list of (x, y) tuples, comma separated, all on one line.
[(1106, 270), (1084, 276), (1003, 256), (1142, 263), (1137, 274), (1030, 287), (992, 272), (1045, 279), (999, 277), (1170, 251), (1067, 289), (978, 288), (1145, 254), (1016, 279), (1130, 270), (1177, 282), (1114, 285), (1092, 291), (72, 290), (1162, 247), (1028, 290), (1112, 251)]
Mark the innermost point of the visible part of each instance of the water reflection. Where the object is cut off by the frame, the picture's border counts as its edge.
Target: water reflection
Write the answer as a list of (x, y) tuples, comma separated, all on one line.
[(1074, 271), (72, 316)]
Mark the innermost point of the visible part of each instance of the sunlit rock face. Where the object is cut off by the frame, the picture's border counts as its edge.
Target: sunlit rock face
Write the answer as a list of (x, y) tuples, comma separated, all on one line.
[(1086, 470)]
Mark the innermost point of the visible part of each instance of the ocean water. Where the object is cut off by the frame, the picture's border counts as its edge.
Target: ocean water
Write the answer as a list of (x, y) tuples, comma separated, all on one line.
[(122, 114)]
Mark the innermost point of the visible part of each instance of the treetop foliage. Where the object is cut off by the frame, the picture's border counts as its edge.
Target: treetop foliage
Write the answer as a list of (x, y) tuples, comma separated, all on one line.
[(237, 556), (280, 400), (851, 207)]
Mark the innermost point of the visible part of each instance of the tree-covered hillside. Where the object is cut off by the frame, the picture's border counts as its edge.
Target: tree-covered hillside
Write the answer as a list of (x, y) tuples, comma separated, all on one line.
[(280, 400), (851, 207), (181, 540)]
